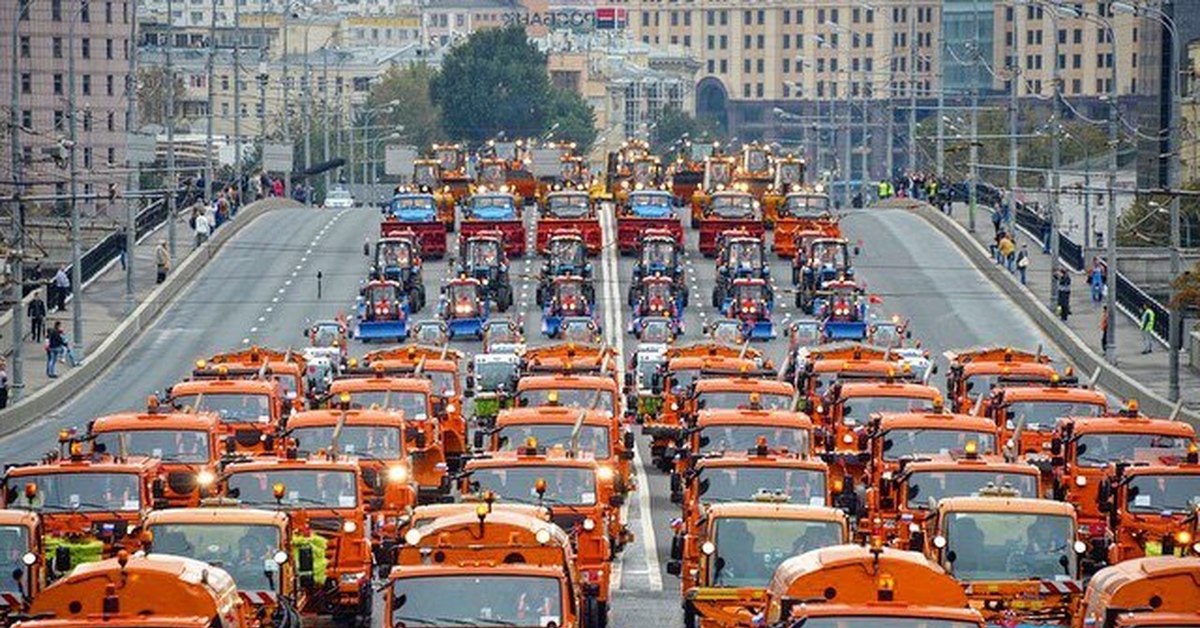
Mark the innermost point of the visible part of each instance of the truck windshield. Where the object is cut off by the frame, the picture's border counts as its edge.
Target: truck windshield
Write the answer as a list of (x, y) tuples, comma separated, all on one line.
[(1174, 493), (733, 206), (571, 486), (302, 488), (656, 331), (1098, 450), (925, 487), (411, 203), (187, 446), (79, 491), (1044, 414), (495, 376), (231, 407), (492, 203), (744, 437), (806, 205), (900, 443), (567, 252), (478, 600), (739, 484), (745, 254), (245, 551), (650, 199), (569, 205), (568, 397), (381, 442), (1009, 546), (738, 400), (861, 408), (873, 621), (412, 403), (749, 549), (830, 253), (393, 254), (592, 438), (326, 335), (14, 543)]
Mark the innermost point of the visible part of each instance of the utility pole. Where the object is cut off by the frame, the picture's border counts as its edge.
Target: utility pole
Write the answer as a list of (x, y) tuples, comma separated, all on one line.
[(1175, 315), (237, 103), (912, 87), (172, 177), (325, 100), (973, 193), (846, 147), (208, 149), (941, 104), (262, 82), (134, 165), (17, 253), (1014, 117), (1055, 155), (76, 253), (287, 108), (307, 123), (1110, 348)]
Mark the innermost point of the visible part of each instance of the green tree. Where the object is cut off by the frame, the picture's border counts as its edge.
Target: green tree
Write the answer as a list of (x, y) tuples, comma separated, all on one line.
[(1147, 222), (152, 93), (495, 81), (572, 119), (402, 99), (672, 124)]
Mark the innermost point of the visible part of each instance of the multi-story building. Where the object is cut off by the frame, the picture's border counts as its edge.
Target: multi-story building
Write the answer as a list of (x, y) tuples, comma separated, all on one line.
[(72, 65)]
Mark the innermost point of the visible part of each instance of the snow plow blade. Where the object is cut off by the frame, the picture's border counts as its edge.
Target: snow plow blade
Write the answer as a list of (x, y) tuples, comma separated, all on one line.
[(845, 331), (384, 330)]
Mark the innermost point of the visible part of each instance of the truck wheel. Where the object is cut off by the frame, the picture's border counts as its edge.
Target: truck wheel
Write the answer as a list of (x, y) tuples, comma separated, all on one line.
[(799, 301), (540, 297), (593, 613), (716, 297), (689, 616), (686, 295)]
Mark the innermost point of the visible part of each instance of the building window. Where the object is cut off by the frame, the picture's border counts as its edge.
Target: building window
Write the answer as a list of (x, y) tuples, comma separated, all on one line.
[(787, 19), (820, 16), (724, 17), (746, 42), (108, 49), (111, 122), (746, 66), (687, 41), (224, 110), (674, 18), (760, 66), (1076, 61), (87, 121), (724, 66), (724, 42), (758, 90), (787, 65), (1076, 86), (112, 156), (56, 10), (59, 119), (712, 40), (57, 47), (87, 84), (24, 45), (58, 84), (27, 120), (712, 66), (869, 64), (762, 42), (687, 18), (745, 90), (108, 12), (870, 40), (225, 83), (87, 157), (710, 17), (799, 16), (85, 48), (85, 13), (747, 17), (787, 91), (787, 42), (856, 15), (109, 85)]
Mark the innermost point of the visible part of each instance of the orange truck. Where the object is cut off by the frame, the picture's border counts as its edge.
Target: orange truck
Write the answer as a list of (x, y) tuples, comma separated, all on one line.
[(1028, 415), (250, 411), (756, 171), (592, 392), (422, 431), (973, 373), (253, 546), (588, 431), (900, 504), (1084, 451), (718, 177), (187, 444), (1143, 592), (848, 406), (1151, 509), (745, 476), (153, 591), (452, 177), (716, 432), (1017, 558), (90, 508), (489, 567), (323, 497), (285, 367), (801, 212), (853, 585), (22, 558), (729, 210), (375, 440), (579, 492), (726, 562), (571, 210)]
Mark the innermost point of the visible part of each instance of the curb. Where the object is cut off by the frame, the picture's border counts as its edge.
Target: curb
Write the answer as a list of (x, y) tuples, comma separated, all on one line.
[(1086, 360), (49, 398)]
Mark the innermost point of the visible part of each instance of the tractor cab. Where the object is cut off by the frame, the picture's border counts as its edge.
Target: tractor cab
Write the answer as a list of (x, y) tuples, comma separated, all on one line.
[(819, 263), (426, 174), (751, 301), (383, 311), (491, 206), (569, 210), (463, 307), (650, 204), (733, 205), (727, 331), (413, 207), (567, 297), (431, 333), (483, 258), (658, 253), (566, 255), (569, 205), (492, 172), (657, 296), (741, 255)]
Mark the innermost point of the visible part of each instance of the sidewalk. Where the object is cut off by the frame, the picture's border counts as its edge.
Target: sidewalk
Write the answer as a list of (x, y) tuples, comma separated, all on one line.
[(104, 306), (1150, 370)]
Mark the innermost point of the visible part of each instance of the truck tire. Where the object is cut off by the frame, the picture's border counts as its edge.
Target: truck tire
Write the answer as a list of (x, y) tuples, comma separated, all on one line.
[(716, 297), (595, 615), (689, 616)]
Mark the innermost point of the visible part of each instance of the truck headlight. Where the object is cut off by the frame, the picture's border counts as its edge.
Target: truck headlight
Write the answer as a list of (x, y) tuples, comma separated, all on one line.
[(350, 578), (1079, 547), (939, 542), (280, 557), (205, 478), (1080, 480), (397, 474), (29, 558), (413, 536), (349, 527), (604, 473), (708, 548), (589, 524)]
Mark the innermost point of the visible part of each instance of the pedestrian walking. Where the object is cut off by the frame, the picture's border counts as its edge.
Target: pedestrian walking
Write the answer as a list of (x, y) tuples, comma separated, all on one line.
[(62, 285), (1104, 329), (1096, 280), (1064, 294), (36, 311), (203, 228), (1023, 262), (122, 251), (997, 220), (1007, 252), (162, 261), (56, 344), (1146, 324)]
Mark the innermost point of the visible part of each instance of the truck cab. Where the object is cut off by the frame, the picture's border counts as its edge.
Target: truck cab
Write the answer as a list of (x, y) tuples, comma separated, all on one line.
[(250, 412), (1151, 509), (1028, 415), (1143, 592), (23, 560)]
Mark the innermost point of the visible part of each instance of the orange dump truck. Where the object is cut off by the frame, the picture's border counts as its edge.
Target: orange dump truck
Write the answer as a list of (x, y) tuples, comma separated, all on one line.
[(91, 508), (422, 431), (743, 477), (1028, 415), (253, 546), (1151, 509), (715, 432), (154, 591), (323, 499), (489, 567), (801, 212), (846, 407), (187, 444), (973, 373), (1143, 592), (851, 585), (286, 367), (592, 392), (726, 561), (22, 560), (250, 411)]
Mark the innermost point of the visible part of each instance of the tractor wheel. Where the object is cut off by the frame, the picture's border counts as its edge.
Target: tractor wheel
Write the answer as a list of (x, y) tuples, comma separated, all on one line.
[(686, 295), (540, 296), (414, 300), (716, 297)]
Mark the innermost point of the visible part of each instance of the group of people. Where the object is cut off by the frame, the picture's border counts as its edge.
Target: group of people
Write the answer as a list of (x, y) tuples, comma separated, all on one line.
[(917, 185), (58, 348)]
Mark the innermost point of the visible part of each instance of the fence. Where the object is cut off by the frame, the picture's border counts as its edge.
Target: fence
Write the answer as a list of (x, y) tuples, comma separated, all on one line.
[(109, 248)]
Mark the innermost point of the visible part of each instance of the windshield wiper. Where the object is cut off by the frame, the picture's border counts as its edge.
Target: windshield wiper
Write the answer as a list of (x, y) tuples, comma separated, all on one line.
[(496, 622), (414, 620), (456, 621)]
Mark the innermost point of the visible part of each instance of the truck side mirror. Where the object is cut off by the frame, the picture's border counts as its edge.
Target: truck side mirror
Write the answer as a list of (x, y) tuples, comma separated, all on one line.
[(158, 488), (629, 379), (471, 384), (62, 559), (674, 568), (304, 565), (478, 439), (676, 548), (1056, 446)]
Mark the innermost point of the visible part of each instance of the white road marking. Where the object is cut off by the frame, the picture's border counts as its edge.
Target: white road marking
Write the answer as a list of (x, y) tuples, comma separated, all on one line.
[(269, 309), (245, 341), (262, 319), (253, 330)]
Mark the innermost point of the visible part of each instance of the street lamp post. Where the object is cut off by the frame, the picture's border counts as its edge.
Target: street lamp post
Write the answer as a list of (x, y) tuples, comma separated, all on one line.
[(20, 11)]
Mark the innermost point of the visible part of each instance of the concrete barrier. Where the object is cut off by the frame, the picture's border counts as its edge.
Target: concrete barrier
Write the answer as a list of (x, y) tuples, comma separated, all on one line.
[(48, 399), (1085, 359)]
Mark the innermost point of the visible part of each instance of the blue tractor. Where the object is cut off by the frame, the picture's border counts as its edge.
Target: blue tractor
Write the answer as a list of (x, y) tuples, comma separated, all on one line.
[(751, 302), (464, 307), (740, 255), (566, 256), (843, 309), (820, 261), (398, 258), (382, 311), (569, 296), (416, 212), (658, 255), (656, 297)]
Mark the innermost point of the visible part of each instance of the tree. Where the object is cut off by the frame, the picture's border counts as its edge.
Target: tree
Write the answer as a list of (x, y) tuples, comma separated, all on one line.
[(572, 119), (1147, 222), (402, 98), (495, 81), (672, 124), (152, 95)]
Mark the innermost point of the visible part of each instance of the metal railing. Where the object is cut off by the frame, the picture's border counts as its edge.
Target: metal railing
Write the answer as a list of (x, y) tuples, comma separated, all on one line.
[(109, 248)]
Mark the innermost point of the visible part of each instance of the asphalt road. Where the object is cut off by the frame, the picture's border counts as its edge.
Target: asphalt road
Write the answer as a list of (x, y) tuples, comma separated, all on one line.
[(261, 289)]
